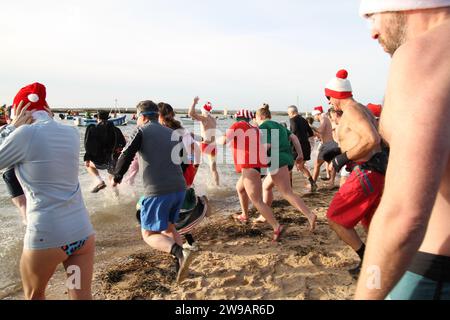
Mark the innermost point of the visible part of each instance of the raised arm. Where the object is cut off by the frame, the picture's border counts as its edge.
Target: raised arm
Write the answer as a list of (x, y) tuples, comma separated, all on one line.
[(193, 114), (418, 156)]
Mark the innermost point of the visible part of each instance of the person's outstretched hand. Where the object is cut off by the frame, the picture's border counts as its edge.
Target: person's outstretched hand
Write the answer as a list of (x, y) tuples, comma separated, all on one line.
[(196, 100)]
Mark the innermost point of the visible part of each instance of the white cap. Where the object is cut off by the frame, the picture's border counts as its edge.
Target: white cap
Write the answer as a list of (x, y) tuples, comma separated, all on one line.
[(376, 6)]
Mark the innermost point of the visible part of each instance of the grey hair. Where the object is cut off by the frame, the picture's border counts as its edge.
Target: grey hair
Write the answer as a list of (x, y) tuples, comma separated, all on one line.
[(293, 108)]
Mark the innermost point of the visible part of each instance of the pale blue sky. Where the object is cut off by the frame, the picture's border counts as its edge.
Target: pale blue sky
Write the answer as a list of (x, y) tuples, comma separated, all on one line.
[(232, 53)]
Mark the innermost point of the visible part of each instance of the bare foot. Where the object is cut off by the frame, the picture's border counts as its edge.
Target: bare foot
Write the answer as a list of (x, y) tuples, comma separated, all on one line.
[(330, 186), (260, 219), (312, 222)]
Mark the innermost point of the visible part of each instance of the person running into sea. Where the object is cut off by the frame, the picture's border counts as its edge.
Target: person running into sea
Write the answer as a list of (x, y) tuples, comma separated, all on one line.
[(191, 155), (359, 142), (249, 156), (335, 117), (164, 184), (325, 133), (103, 143), (281, 161), (302, 130), (409, 240), (58, 229), (208, 125)]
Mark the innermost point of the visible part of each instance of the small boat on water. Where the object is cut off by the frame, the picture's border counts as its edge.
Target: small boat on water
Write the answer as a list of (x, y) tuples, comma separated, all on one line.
[(84, 122)]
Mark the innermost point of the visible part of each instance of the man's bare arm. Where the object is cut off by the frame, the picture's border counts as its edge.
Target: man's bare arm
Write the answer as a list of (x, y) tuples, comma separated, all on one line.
[(418, 158), (193, 113), (369, 137), (321, 129)]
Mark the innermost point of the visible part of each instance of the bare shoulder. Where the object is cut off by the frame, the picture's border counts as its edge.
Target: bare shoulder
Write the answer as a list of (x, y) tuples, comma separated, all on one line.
[(420, 71), (419, 83), (355, 111)]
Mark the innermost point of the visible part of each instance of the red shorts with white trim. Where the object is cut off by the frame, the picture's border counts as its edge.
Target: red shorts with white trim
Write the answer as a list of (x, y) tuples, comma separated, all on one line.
[(358, 199), (209, 149)]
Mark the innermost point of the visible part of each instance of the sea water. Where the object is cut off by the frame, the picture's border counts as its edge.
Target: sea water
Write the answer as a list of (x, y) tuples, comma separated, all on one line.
[(104, 206)]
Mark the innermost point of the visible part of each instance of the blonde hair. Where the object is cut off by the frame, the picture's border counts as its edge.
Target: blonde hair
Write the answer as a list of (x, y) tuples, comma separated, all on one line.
[(264, 112)]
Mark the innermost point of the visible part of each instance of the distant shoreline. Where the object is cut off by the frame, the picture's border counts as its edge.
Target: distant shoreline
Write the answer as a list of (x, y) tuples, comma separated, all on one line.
[(133, 110)]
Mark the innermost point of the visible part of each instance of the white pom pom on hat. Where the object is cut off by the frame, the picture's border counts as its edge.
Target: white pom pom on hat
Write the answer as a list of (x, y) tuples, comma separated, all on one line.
[(339, 87), (33, 97)]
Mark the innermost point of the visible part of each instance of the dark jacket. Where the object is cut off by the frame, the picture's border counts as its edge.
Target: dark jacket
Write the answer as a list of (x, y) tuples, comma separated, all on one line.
[(103, 142)]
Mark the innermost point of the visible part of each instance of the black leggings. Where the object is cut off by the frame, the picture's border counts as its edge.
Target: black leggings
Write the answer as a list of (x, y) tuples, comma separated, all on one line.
[(12, 184)]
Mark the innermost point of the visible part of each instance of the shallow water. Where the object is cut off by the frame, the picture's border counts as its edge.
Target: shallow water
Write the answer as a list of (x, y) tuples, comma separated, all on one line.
[(107, 212)]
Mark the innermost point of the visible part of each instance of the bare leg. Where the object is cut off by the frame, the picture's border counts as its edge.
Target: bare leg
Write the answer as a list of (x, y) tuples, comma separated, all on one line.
[(21, 203), (173, 233), (158, 241), (213, 167), (349, 236), (305, 171), (92, 170), (332, 177), (317, 164), (328, 172), (252, 184), (282, 183), (243, 197), (36, 269), (268, 186), (84, 260), (267, 196)]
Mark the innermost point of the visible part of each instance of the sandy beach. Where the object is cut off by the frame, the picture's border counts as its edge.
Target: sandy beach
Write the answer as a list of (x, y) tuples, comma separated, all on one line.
[(236, 261)]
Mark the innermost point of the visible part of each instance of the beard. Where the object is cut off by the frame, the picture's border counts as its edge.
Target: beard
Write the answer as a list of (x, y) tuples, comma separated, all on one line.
[(395, 35)]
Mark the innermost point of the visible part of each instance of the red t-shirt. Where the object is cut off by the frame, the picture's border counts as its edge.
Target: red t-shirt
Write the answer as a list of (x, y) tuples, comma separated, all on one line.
[(246, 146)]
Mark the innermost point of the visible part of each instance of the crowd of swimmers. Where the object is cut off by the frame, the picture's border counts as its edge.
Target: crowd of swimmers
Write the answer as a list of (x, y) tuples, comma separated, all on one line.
[(408, 242)]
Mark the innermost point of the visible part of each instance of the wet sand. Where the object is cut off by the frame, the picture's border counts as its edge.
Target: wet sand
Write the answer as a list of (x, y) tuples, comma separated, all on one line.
[(236, 261)]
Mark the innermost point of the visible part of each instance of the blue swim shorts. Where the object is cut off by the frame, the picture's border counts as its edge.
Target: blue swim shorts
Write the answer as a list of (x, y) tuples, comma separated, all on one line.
[(160, 211)]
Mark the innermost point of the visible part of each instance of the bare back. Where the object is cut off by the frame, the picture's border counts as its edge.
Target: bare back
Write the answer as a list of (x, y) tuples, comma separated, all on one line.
[(326, 129), (357, 128), (418, 101)]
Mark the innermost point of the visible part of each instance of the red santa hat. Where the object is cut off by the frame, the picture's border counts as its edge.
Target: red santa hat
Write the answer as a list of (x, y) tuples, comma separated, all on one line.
[(208, 107), (339, 87), (375, 109), (35, 94), (245, 114), (317, 110)]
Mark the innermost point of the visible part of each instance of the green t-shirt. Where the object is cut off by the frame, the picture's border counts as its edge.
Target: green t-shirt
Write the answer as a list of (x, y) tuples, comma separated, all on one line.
[(283, 150)]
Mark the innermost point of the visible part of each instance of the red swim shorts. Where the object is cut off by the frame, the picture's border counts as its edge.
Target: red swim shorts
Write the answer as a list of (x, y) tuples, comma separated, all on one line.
[(209, 149), (357, 199)]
